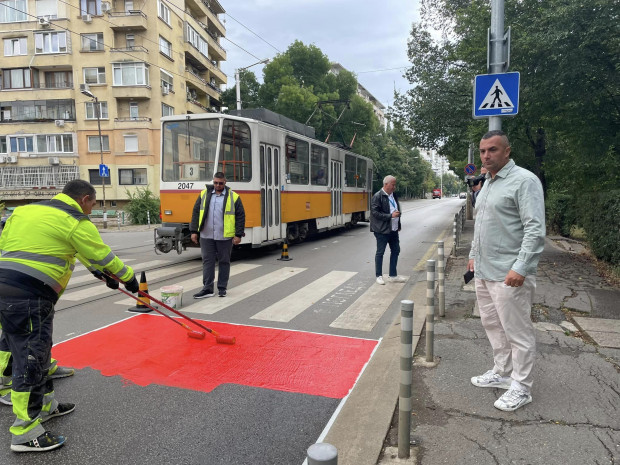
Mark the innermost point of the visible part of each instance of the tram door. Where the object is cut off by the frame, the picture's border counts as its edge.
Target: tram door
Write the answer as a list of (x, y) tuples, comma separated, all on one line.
[(336, 186), (270, 191)]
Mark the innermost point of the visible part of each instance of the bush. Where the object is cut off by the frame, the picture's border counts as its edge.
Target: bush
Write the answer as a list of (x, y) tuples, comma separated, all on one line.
[(141, 202), (561, 212), (601, 216)]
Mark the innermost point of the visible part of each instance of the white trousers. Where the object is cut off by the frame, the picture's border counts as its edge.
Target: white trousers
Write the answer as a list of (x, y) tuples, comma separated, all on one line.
[(505, 314)]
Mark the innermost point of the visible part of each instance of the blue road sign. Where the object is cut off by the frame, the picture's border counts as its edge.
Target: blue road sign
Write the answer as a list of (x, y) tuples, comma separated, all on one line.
[(104, 171), (496, 95), (470, 168)]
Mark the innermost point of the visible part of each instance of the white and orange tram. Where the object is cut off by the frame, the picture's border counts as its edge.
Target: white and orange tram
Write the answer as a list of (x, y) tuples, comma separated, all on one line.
[(291, 184)]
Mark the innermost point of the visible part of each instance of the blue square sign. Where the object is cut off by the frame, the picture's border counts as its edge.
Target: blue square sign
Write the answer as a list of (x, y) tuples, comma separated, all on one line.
[(104, 171), (496, 95)]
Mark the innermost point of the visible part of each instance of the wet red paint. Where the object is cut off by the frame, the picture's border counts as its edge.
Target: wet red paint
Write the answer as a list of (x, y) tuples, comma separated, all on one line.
[(149, 349)]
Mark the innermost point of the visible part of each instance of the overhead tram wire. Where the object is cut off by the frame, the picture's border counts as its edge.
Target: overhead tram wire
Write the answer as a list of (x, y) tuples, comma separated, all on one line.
[(240, 23)]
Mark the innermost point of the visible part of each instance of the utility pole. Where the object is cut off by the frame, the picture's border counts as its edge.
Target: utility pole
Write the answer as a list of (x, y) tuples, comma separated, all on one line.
[(497, 60), (469, 210)]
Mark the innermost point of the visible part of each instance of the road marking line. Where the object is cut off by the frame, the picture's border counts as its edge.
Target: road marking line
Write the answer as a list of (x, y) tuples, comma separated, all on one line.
[(365, 312), (432, 250), (289, 307), (192, 283), (215, 304), (89, 277)]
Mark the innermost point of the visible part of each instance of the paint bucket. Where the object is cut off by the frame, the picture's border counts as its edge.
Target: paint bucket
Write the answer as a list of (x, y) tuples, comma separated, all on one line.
[(172, 296)]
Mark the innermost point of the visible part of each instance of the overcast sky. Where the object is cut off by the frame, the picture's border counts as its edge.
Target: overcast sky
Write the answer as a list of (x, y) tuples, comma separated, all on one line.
[(361, 35)]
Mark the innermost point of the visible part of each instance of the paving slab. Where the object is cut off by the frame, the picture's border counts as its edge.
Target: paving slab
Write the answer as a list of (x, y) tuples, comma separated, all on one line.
[(581, 302), (605, 332), (605, 303)]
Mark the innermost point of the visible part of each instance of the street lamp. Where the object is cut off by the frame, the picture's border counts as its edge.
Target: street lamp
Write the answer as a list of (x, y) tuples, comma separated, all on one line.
[(237, 83), (86, 91)]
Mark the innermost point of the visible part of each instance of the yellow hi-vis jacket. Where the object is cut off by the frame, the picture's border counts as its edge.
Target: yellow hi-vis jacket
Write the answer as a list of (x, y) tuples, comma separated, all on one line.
[(43, 239), (229, 211)]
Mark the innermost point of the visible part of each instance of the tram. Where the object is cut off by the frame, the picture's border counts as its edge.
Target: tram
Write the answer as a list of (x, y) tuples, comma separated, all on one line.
[(291, 184)]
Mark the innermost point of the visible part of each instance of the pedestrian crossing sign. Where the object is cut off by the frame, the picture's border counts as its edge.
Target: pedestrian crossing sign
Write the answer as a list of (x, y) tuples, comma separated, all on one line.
[(496, 95)]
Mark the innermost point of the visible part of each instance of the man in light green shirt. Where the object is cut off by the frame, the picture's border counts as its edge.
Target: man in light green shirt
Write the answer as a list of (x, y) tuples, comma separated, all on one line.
[(509, 236)]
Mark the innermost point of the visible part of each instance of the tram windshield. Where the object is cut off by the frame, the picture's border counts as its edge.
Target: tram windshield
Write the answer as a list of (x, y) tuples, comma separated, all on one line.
[(189, 149)]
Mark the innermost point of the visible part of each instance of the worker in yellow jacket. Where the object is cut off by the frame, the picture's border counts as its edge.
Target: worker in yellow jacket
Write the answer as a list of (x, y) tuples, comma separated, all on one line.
[(38, 247)]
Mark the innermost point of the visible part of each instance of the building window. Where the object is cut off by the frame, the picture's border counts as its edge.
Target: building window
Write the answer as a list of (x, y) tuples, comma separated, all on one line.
[(196, 40), (15, 46), (297, 162), (166, 110), (92, 42), (55, 143), (165, 47), (19, 78), (50, 42), (59, 79), (38, 110), (93, 144), (131, 143), (91, 110), (3, 146), (133, 110), (12, 11), (90, 7), (128, 177), (130, 74), (94, 75), (318, 165), (22, 143), (164, 12), (166, 81), (96, 180), (47, 8), (130, 41)]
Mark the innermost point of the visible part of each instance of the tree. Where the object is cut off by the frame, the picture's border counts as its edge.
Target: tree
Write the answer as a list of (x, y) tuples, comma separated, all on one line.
[(141, 202), (248, 86)]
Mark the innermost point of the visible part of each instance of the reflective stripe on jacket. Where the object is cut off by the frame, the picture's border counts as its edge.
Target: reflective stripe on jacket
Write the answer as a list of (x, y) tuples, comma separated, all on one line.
[(43, 240), (229, 211)]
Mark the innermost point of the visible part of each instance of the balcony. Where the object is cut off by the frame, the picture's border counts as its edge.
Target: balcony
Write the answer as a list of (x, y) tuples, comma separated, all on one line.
[(132, 20), (132, 92), (130, 119), (134, 49), (220, 51)]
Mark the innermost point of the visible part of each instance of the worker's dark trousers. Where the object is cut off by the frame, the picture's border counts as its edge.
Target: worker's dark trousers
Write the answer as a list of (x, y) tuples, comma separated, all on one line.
[(210, 250), (27, 325)]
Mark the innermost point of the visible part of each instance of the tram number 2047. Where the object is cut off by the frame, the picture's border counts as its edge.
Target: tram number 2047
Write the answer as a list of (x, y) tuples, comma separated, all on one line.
[(185, 185)]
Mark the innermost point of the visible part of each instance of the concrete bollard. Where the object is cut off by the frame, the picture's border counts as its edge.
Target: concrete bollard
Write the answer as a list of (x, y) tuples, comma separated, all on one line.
[(441, 278), (148, 219), (322, 453), (430, 310), (406, 360)]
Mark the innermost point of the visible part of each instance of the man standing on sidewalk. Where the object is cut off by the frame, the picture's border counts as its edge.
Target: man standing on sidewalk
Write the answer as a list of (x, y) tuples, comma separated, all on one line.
[(219, 219), (509, 236), (385, 224)]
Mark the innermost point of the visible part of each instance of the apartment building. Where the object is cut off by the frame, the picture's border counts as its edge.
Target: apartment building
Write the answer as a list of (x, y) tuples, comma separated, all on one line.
[(74, 70)]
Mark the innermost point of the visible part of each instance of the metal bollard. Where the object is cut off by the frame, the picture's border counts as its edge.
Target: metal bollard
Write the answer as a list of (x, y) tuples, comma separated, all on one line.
[(454, 236), (322, 453), (430, 309), (123, 216), (148, 219), (406, 360), (441, 278)]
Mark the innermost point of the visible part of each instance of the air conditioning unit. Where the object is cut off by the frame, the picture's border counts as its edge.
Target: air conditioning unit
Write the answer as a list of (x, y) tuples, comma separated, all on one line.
[(53, 161), (44, 22), (84, 88), (11, 159), (105, 7), (87, 18), (165, 90), (59, 123), (3, 158)]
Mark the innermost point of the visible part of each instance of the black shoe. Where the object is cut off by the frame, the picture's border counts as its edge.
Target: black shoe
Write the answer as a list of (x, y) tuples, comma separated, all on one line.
[(47, 441), (61, 410), (222, 293), (204, 294)]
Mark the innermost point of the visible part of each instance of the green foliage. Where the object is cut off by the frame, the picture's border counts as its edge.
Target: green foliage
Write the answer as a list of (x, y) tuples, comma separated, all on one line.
[(601, 220), (561, 212), (248, 88), (140, 202)]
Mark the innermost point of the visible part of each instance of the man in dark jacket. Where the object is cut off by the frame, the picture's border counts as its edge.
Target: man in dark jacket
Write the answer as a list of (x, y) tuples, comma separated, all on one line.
[(385, 224), (219, 219)]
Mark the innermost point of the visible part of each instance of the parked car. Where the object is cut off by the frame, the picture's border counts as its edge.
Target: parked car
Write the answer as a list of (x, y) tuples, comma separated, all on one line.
[(463, 195), (436, 193)]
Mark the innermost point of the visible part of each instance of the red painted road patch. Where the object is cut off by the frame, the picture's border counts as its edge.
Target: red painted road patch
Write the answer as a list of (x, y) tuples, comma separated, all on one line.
[(148, 349)]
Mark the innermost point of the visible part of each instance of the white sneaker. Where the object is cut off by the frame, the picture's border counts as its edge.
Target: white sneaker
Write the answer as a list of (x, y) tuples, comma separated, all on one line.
[(6, 399), (512, 399), (380, 280), (397, 279), (493, 380)]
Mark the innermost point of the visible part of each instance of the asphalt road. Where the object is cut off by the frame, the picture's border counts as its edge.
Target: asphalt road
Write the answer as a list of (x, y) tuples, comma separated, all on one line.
[(148, 394)]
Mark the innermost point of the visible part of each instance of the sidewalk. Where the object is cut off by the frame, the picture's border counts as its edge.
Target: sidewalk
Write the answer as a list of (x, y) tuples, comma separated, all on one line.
[(575, 414)]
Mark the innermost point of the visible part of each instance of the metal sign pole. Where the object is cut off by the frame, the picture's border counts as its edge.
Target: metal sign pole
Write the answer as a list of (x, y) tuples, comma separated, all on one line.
[(496, 50)]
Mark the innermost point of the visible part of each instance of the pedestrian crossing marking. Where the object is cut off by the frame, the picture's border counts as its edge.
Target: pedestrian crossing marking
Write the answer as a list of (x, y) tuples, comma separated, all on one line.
[(365, 312), (156, 274), (193, 283), (89, 277), (493, 96), (215, 304), (79, 266), (289, 307)]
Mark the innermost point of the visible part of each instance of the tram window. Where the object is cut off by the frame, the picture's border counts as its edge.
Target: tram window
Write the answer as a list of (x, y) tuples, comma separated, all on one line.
[(236, 151), (318, 165), (188, 150), (297, 161), (361, 172), (262, 165), (349, 170)]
